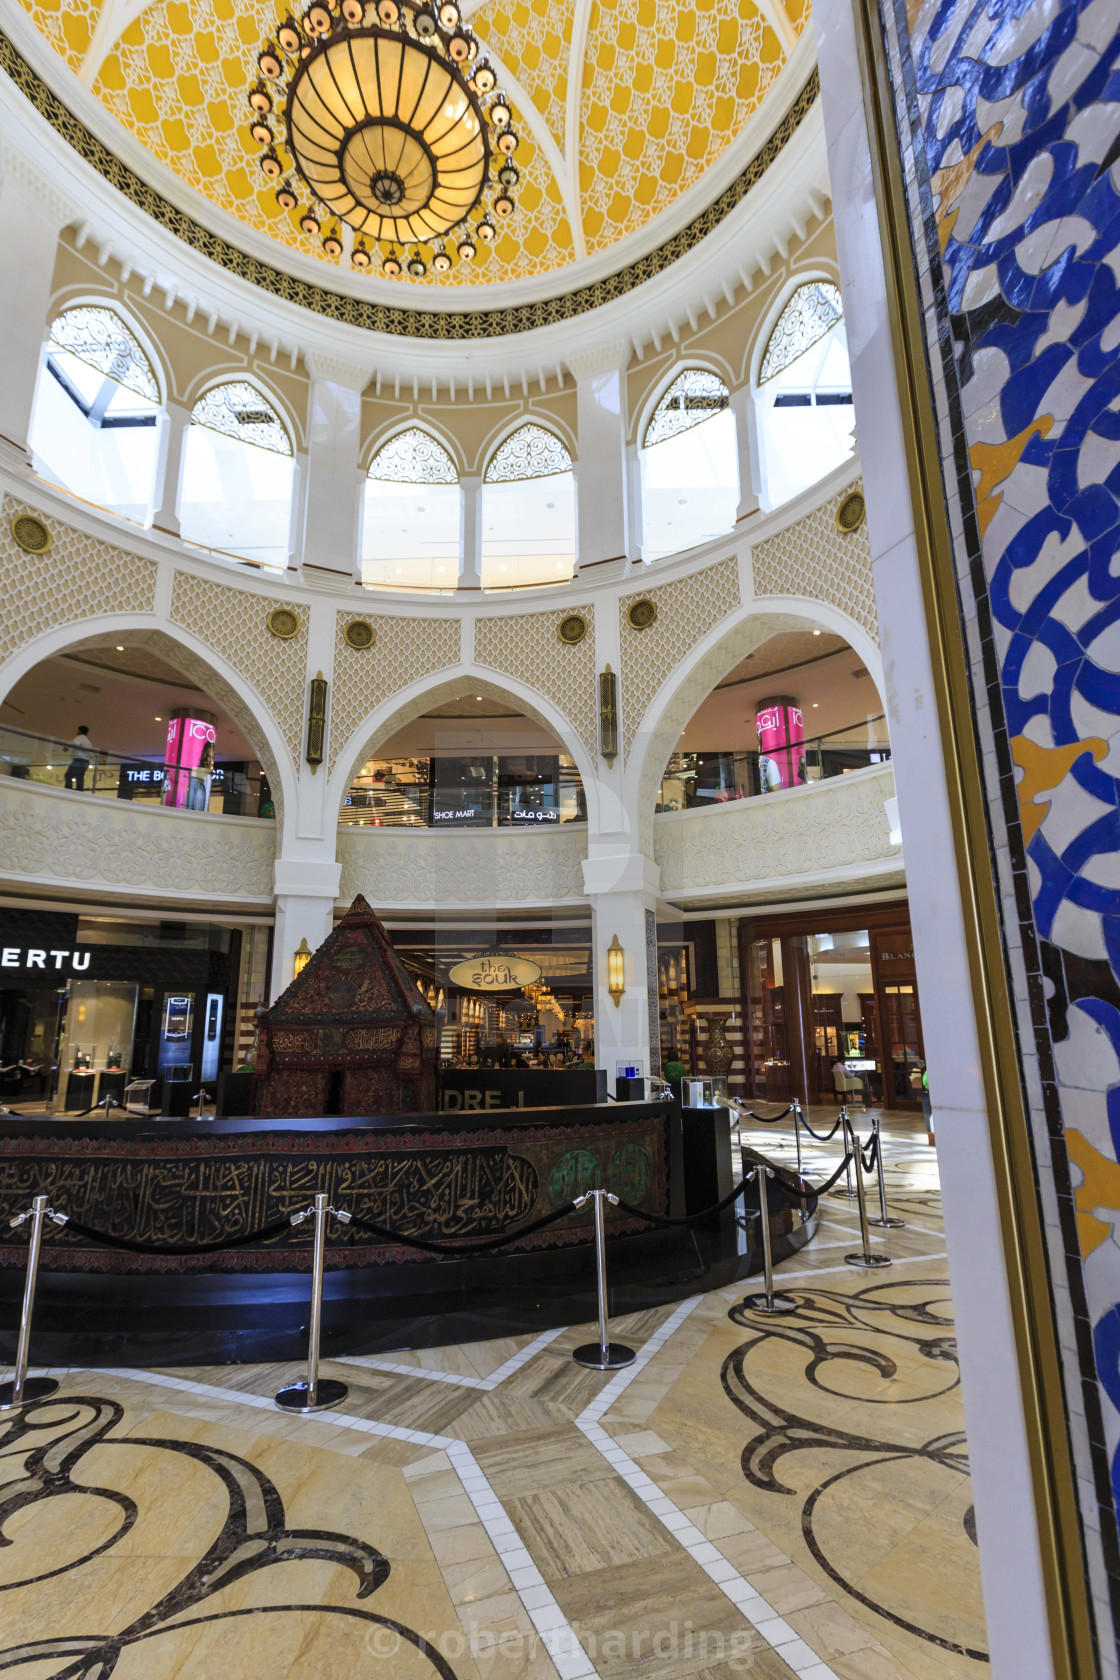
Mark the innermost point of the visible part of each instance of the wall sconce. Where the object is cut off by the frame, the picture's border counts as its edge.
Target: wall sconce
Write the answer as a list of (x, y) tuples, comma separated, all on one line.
[(301, 958), (316, 720), (608, 715), (616, 971)]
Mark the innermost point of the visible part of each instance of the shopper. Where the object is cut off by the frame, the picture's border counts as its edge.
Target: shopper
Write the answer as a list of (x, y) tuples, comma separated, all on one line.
[(82, 755)]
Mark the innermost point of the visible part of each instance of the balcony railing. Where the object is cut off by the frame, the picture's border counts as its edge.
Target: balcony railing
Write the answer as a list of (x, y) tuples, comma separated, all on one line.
[(232, 792), (480, 790), (694, 781)]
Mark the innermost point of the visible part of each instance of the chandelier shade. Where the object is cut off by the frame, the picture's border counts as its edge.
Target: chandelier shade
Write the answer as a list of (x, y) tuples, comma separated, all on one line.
[(387, 136)]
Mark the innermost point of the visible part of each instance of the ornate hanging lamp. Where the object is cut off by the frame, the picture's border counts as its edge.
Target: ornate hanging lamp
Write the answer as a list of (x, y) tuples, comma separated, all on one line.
[(382, 114)]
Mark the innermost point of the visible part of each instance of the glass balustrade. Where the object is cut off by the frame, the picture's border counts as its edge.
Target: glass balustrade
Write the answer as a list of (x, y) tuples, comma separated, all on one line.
[(475, 790), (234, 790), (696, 781)]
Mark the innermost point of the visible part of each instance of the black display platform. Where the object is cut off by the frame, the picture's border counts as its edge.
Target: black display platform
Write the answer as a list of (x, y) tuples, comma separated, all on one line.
[(194, 1179)]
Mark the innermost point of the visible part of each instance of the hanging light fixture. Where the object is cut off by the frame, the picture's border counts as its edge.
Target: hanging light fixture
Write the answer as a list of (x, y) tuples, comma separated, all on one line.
[(301, 958), (394, 125), (616, 970)]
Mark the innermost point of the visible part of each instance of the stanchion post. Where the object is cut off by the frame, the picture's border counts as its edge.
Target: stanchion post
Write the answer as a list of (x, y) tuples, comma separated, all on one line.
[(884, 1219), (797, 1131), (768, 1302), (847, 1132), (865, 1258), (22, 1387), (603, 1355), (316, 1392)]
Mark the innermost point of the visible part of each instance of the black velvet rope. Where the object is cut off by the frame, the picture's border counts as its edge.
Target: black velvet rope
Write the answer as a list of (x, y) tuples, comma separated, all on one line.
[(260, 1235), (799, 1191), (825, 1137), (766, 1119), (461, 1249)]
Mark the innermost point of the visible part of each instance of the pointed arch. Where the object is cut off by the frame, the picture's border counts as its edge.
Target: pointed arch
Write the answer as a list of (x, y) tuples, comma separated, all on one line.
[(104, 338), (691, 396), (530, 450), (413, 455)]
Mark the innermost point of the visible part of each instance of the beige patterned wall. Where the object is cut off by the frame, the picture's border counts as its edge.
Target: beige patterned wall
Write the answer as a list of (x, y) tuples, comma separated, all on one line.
[(234, 622), (526, 647), (77, 577), (404, 650), (686, 611), (814, 557)]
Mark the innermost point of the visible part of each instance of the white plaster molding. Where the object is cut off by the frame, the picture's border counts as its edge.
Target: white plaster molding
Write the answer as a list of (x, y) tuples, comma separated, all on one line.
[(403, 868), (53, 204), (349, 371), (82, 842), (611, 357)]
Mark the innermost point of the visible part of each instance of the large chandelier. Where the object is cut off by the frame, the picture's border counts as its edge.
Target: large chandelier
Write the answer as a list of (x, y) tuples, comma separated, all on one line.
[(392, 123)]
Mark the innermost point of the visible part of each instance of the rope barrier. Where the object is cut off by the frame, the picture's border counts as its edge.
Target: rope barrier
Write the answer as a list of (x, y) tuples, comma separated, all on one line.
[(456, 1248), (825, 1137), (802, 1192), (131, 1247), (766, 1119)]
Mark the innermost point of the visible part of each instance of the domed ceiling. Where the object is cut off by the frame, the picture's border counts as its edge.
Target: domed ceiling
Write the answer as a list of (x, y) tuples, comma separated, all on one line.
[(621, 106)]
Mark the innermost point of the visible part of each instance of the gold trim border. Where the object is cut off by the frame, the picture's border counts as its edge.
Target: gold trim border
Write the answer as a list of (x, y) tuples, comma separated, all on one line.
[(1023, 1239), (380, 317)]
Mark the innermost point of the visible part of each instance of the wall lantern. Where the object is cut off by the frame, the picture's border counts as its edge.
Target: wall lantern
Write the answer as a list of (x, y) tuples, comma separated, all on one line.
[(301, 958), (616, 971)]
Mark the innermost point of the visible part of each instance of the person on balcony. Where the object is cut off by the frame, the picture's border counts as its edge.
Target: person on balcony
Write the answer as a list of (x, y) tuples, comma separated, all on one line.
[(82, 755)]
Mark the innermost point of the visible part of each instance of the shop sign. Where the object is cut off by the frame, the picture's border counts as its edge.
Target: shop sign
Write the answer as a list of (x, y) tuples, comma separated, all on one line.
[(535, 816), (493, 973), (29, 957)]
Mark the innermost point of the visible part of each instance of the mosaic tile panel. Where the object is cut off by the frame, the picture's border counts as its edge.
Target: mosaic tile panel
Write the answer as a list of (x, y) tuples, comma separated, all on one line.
[(815, 558), (234, 622), (77, 577), (686, 611), (403, 651), (526, 646), (1010, 128)]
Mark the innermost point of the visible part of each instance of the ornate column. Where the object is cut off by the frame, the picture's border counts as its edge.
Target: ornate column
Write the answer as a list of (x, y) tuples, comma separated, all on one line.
[(306, 890), (174, 429), (602, 493), (622, 885), (745, 410), (32, 215), (470, 532), (334, 435)]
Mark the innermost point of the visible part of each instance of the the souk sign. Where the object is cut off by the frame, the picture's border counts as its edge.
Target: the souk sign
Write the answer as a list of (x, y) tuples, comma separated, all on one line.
[(493, 972)]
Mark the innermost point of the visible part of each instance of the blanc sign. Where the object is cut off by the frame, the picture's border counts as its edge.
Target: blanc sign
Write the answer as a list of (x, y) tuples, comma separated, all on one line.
[(494, 973)]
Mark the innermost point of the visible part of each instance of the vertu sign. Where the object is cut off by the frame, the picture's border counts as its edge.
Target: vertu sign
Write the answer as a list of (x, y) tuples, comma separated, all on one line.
[(494, 973), (31, 958)]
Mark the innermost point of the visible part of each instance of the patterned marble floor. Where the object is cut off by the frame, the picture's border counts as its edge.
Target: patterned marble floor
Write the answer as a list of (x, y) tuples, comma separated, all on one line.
[(753, 1496)]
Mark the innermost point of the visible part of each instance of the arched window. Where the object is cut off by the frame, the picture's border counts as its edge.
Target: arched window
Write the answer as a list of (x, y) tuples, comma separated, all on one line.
[(236, 493), (805, 393), (95, 430), (690, 468), (410, 517), (528, 511)]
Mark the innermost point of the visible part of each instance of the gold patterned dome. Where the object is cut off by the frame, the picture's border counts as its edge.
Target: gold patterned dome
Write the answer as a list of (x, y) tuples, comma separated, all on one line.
[(624, 109)]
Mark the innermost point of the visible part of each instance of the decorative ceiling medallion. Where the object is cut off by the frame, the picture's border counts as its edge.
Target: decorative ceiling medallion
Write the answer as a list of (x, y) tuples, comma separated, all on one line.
[(283, 623), (30, 533), (572, 629), (359, 634), (441, 324), (851, 512), (641, 614), (391, 122)]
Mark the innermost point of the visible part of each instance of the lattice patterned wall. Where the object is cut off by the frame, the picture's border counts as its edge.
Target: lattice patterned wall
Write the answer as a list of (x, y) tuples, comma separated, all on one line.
[(686, 611), (526, 646), (77, 577), (404, 650), (234, 622), (815, 558)]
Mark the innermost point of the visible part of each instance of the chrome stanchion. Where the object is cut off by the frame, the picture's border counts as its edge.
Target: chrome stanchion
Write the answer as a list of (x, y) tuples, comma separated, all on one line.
[(865, 1258), (22, 1387), (884, 1219), (317, 1392), (797, 1131), (767, 1302), (603, 1355), (847, 1132)]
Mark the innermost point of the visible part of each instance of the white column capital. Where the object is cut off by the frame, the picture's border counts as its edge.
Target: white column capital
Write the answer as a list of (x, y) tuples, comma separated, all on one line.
[(347, 371), (306, 878), (604, 358), (53, 206)]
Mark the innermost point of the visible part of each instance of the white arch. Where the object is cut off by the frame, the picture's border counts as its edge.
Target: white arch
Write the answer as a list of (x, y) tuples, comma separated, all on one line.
[(507, 429), (829, 273), (83, 298), (394, 429), (653, 737), (704, 363), (212, 379), (224, 682), (406, 704)]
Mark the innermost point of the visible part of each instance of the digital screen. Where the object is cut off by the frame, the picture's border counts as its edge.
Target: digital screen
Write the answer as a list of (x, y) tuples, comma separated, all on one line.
[(187, 740)]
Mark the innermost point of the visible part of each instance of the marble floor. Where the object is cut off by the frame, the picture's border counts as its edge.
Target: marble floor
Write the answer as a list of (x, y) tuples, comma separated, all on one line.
[(753, 1496)]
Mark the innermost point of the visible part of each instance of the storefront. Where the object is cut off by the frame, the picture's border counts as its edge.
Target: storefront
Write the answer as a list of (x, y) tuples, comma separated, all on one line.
[(831, 1005), (89, 1005)]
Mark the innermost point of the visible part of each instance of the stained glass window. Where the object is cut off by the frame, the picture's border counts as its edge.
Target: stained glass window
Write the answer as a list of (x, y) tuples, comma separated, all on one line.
[(239, 411), (530, 452), (693, 397), (811, 312), (100, 338), (413, 457)]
